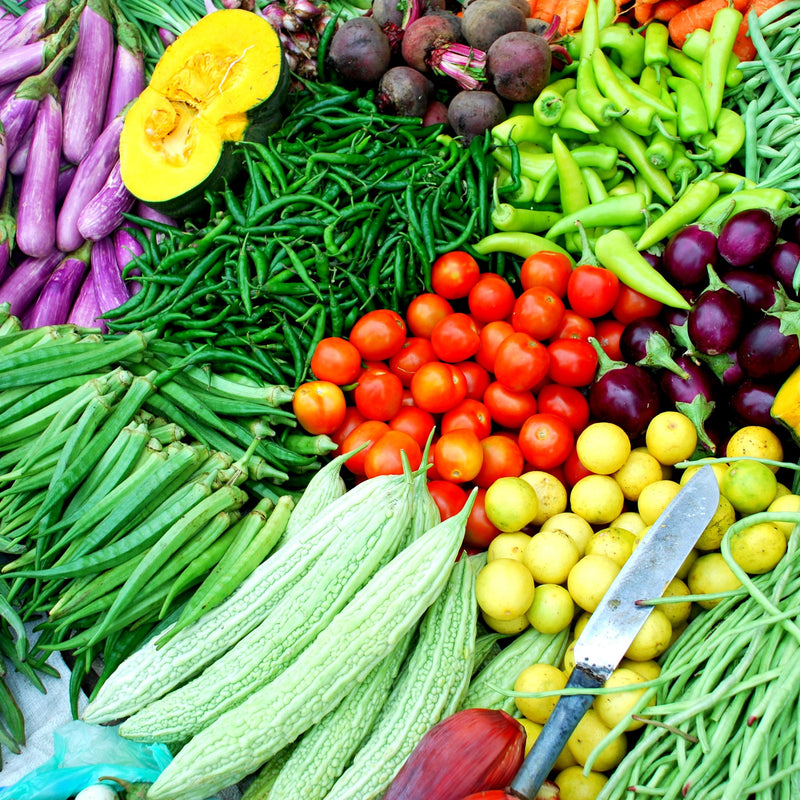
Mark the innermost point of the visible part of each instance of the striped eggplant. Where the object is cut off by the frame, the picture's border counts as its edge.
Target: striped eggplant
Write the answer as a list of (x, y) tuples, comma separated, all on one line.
[(54, 302), (104, 212), (22, 286), (109, 288), (85, 311), (127, 74)]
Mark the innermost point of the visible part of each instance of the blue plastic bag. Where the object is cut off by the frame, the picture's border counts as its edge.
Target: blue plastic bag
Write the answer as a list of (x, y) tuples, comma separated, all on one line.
[(84, 753)]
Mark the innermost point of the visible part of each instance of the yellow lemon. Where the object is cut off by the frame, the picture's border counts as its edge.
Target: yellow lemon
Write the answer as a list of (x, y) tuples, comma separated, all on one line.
[(749, 485), (671, 437), (551, 493), (597, 498), (574, 525), (655, 498), (504, 588), (511, 504), (756, 441), (603, 447)]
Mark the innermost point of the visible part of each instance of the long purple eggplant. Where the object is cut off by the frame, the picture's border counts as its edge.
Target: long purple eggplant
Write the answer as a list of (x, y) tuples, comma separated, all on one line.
[(54, 302), (90, 76), (36, 210), (126, 248), (40, 19), (90, 176), (8, 232), (127, 74), (23, 285), (109, 288), (65, 177), (103, 213), (85, 311)]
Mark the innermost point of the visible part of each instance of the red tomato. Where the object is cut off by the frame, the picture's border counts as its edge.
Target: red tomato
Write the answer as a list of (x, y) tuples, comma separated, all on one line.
[(454, 274), (455, 338), (471, 414), (414, 352), (507, 407), (546, 268), (502, 458), (417, 423), (608, 335), (437, 387), (319, 406), (379, 334), (565, 402), (521, 362), (574, 326), (432, 474), (352, 419), (384, 456), (573, 469), (545, 440), (448, 496), (538, 311), (573, 362), (633, 305), (491, 298), (458, 456), (367, 432), (479, 531), (592, 291), (477, 378), (336, 360), (491, 335), (424, 311), (378, 394)]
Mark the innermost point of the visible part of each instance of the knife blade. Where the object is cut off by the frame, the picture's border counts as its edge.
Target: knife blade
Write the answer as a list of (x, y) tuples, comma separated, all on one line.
[(619, 617)]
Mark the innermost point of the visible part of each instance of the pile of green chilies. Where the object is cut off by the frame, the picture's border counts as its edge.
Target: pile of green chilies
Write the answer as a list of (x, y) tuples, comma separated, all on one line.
[(769, 99), (341, 211)]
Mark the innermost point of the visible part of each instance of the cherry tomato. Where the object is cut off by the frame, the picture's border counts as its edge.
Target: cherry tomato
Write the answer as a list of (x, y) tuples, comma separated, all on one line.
[(565, 402), (432, 474), (491, 298), (573, 469), (492, 334), (574, 326), (437, 387), (455, 338), (538, 311), (448, 496), (521, 362), (352, 419), (379, 334), (424, 311), (477, 378), (454, 274), (608, 334), (417, 423), (384, 457), (472, 414), (573, 362), (507, 407), (336, 360), (479, 530), (414, 352), (458, 455), (592, 291), (545, 440), (366, 433), (546, 268), (319, 406), (502, 458), (378, 395), (633, 305)]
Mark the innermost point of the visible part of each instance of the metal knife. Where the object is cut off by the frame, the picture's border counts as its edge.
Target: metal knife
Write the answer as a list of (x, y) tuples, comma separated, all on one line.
[(616, 621)]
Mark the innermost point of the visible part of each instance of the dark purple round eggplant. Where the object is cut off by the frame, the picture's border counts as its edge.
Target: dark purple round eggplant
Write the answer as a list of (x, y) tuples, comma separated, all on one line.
[(733, 374), (765, 351), (790, 228), (783, 261), (701, 381), (715, 321), (688, 254), (633, 341), (626, 396), (752, 402), (747, 236), (756, 290)]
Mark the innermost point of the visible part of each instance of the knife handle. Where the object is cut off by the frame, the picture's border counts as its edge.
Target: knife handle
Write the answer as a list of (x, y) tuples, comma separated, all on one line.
[(567, 713)]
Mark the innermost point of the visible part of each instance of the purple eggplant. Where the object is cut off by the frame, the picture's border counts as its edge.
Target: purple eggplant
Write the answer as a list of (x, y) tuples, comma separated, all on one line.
[(90, 177), (126, 248), (109, 288), (699, 380), (104, 212), (90, 76), (127, 72), (27, 28), (783, 261), (752, 402), (646, 342), (19, 158), (36, 210), (688, 254), (715, 318), (85, 312), (756, 290), (747, 236), (790, 229), (728, 369), (767, 350), (66, 174), (54, 302), (23, 285)]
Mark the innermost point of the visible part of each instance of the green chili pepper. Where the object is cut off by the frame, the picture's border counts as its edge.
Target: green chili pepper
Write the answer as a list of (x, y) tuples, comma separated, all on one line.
[(656, 42), (695, 47), (615, 251), (594, 184), (590, 32), (548, 107), (522, 128), (572, 190), (665, 110), (683, 66), (686, 209), (692, 116), (760, 197), (525, 192), (517, 243), (625, 186), (681, 169), (723, 145), (601, 109), (714, 66), (731, 182), (573, 117), (614, 211), (507, 218)]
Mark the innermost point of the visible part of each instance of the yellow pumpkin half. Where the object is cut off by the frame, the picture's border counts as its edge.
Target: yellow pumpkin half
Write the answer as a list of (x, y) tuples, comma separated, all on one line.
[(220, 82)]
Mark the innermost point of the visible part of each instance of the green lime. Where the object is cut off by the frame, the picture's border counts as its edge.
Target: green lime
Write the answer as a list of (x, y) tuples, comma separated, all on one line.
[(749, 486)]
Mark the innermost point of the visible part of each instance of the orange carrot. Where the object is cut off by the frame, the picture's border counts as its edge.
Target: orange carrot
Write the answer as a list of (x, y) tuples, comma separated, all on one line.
[(743, 47), (667, 9), (699, 15), (569, 12), (643, 12)]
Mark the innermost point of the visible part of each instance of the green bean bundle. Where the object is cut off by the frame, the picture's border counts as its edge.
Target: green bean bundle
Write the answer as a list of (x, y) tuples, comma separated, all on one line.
[(342, 210)]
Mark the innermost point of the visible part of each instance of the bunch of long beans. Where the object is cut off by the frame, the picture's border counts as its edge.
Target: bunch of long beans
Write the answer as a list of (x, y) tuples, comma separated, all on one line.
[(769, 98), (342, 210)]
